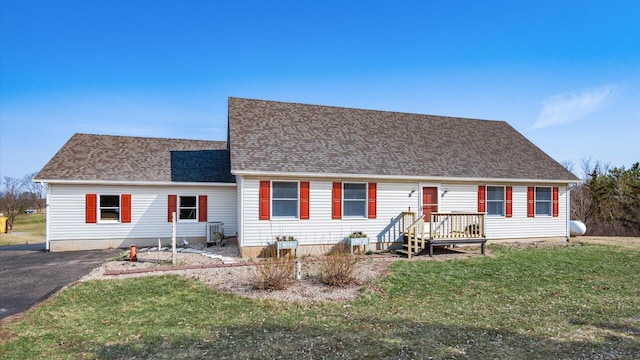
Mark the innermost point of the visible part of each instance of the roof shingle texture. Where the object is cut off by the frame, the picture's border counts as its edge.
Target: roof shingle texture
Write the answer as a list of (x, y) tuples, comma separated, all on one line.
[(125, 158), (298, 138)]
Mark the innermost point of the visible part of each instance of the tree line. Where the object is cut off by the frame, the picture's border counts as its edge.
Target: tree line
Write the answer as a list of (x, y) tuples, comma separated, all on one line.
[(608, 200), (19, 195)]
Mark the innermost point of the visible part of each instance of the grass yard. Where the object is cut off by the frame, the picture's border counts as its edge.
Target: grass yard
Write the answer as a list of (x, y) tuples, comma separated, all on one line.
[(27, 229), (550, 302)]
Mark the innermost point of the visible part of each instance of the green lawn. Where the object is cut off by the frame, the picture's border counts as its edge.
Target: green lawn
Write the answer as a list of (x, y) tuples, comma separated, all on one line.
[(27, 229), (556, 302)]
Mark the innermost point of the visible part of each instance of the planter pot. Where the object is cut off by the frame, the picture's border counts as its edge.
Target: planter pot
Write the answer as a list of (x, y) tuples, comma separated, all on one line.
[(281, 245), (365, 241)]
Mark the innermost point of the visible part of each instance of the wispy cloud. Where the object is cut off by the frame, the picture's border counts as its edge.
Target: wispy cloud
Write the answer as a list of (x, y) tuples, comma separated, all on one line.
[(569, 107)]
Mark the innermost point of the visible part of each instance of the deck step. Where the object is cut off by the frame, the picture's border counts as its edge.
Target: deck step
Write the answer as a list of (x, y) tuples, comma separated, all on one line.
[(405, 251)]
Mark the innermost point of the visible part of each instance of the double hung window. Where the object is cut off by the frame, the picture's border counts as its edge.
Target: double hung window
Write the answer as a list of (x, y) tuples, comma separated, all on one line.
[(188, 208), (495, 200), (543, 201), (284, 199), (109, 207), (355, 200)]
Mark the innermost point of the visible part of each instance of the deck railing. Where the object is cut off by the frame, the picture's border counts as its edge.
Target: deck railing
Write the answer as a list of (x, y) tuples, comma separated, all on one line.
[(464, 225), (408, 217), (441, 226), (415, 234)]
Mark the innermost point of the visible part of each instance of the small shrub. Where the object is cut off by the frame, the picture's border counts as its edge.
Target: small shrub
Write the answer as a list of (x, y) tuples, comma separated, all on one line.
[(274, 274), (338, 267)]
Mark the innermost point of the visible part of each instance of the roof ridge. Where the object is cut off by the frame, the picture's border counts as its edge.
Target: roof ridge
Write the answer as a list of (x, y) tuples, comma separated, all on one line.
[(362, 109), (146, 137)]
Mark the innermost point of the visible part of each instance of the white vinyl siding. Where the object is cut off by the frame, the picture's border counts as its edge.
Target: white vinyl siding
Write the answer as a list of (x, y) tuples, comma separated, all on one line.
[(149, 204), (392, 199), (464, 197), (66, 213)]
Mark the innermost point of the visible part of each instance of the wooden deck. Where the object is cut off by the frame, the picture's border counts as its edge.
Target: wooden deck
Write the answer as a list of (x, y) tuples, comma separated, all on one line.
[(445, 229)]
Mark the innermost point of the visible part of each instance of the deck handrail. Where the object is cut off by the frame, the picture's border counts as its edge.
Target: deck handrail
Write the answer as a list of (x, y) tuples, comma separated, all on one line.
[(408, 217), (412, 235), (467, 225)]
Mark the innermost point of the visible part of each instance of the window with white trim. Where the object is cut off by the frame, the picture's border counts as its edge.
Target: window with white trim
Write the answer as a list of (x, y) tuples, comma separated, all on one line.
[(187, 207), (354, 200), (495, 200), (543, 201), (284, 199), (109, 208)]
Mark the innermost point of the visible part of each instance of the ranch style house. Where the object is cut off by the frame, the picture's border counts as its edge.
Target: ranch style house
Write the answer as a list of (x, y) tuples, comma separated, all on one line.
[(315, 173)]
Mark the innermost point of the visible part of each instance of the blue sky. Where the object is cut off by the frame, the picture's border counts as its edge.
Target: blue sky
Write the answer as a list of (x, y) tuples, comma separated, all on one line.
[(564, 73)]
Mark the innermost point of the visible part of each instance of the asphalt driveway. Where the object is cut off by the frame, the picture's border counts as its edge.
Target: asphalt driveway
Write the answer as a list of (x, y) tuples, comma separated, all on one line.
[(29, 274)]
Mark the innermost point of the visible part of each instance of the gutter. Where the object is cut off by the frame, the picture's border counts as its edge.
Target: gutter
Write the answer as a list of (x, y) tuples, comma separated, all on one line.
[(134, 183), (398, 177)]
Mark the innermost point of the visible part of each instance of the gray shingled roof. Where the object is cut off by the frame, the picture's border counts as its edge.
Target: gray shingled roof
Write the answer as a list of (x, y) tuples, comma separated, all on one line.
[(124, 158), (268, 136)]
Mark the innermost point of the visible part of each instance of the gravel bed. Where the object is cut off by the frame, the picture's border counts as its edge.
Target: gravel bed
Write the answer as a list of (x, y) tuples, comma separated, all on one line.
[(240, 279)]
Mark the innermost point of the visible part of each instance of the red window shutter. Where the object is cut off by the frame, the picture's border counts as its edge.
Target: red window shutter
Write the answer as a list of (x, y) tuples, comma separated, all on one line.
[(265, 199), (555, 201), (125, 208), (304, 200), (91, 208), (336, 207), (202, 208), (482, 196), (172, 208), (531, 199), (373, 192), (509, 206)]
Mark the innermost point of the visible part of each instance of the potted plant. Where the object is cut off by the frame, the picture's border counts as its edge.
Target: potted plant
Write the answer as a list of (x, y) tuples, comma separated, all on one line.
[(357, 238), (357, 235)]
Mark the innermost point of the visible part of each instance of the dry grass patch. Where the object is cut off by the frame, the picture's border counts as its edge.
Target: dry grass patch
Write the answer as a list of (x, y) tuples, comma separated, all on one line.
[(625, 242), (27, 229)]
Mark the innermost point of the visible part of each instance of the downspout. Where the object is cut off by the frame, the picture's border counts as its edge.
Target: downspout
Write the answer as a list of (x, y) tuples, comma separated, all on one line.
[(47, 214), (240, 211)]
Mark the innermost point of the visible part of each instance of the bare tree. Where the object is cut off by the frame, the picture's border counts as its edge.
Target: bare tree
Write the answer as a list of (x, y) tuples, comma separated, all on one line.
[(581, 204), (586, 167), (11, 198), (569, 165), (34, 191)]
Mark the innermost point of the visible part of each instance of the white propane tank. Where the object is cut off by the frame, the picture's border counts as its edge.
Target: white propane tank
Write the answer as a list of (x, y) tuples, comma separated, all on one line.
[(577, 228)]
